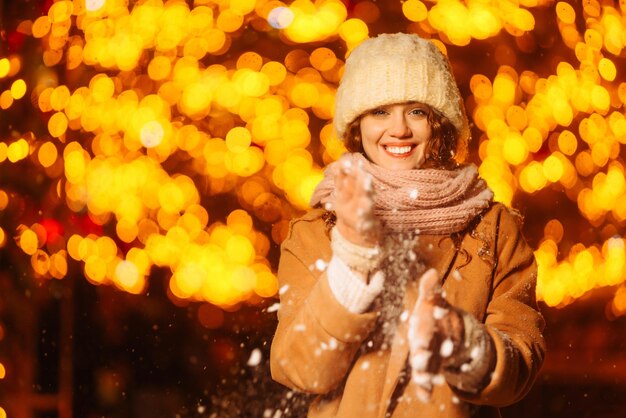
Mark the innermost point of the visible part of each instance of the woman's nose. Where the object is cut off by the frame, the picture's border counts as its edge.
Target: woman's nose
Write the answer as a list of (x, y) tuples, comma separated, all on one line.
[(399, 127)]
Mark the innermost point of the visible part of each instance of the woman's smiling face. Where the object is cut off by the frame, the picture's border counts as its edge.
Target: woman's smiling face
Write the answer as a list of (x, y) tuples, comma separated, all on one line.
[(396, 136)]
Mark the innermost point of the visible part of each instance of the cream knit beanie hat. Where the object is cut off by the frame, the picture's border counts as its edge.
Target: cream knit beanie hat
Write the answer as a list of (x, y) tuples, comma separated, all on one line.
[(396, 68)]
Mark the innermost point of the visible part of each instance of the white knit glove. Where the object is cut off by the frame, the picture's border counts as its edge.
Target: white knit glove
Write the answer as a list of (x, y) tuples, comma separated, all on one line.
[(349, 287)]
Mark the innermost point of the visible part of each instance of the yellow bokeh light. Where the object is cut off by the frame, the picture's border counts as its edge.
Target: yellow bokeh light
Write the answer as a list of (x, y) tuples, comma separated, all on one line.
[(159, 67), (554, 230), (127, 276), (201, 84), (47, 154), (414, 10), (567, 142), (239, 250), (607, 69), (94, 5), (171, 198), (584, 163), (95, 269), (5, 67), (196, 100), (515, 149), (323, 59), (504, 89), (58, 265), (304, 95), (29, 242), (40, 263), (74, 166), (353, 31), (536, 175), (565, 12), (6, 100), (266, 284), (516, 117), (216, 40), (553, 168), (4, 199), (18, 150), (229, 20), (275, 71), (102, 88), (600, 154), (600, 98), (151, 134), (252, 83), (41, 26), (238, 139), (18, 89), (57, 125), (59, 98), (240, 222), (250, 60)]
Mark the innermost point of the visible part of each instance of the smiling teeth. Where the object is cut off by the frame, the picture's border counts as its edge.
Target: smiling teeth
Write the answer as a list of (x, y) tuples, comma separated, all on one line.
[(399, 150)]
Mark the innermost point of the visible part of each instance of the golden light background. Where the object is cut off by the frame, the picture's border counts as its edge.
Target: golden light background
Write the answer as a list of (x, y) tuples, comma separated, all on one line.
[(185, 135)]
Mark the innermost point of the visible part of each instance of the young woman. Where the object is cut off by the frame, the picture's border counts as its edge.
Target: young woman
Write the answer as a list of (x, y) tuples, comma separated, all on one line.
[(406, 291)]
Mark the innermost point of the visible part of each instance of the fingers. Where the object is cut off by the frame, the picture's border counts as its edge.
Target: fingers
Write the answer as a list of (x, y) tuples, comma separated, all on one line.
[(353, 181), (424, 385), (421, 327), (424, 335), (429, 285), (354, 204)]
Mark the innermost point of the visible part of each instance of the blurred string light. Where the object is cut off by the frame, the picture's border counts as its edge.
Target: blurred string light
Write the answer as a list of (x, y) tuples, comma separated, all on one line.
[(166, 82), (576, 118), (280, 17)]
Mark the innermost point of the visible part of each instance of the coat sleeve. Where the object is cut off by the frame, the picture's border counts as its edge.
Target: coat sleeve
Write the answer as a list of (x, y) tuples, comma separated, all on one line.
[(316, 338), (512, 318)]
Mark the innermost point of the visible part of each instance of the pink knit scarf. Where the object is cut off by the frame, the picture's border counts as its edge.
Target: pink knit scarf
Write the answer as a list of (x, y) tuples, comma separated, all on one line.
[(428, 201)]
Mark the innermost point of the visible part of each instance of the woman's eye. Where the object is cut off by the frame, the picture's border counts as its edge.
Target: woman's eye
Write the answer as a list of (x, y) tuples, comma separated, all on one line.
[(378, 112), (418, 112)]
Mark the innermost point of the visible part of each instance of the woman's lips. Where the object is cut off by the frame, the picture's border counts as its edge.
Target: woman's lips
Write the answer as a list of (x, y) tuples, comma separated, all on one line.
[(399, 151)]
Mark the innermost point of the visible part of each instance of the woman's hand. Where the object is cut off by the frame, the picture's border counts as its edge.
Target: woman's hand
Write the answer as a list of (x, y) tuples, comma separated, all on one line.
[(354, 205), (435, 333)]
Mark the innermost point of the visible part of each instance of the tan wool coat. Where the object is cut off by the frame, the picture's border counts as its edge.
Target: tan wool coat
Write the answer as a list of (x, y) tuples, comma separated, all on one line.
[(320, 347)]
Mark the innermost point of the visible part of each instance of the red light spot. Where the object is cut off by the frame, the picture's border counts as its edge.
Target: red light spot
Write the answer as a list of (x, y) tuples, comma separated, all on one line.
[(54, 230), (15, 41), (46, 6)]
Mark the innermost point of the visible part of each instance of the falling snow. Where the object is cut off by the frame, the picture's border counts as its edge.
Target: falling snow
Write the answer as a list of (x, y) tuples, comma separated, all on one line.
[(274, 308), (255, 358), (404, 315), (439, 312), (321, 264), (446, 348)]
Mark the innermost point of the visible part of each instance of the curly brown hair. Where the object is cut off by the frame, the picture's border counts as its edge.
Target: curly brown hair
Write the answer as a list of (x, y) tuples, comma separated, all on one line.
[(444, 150)]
